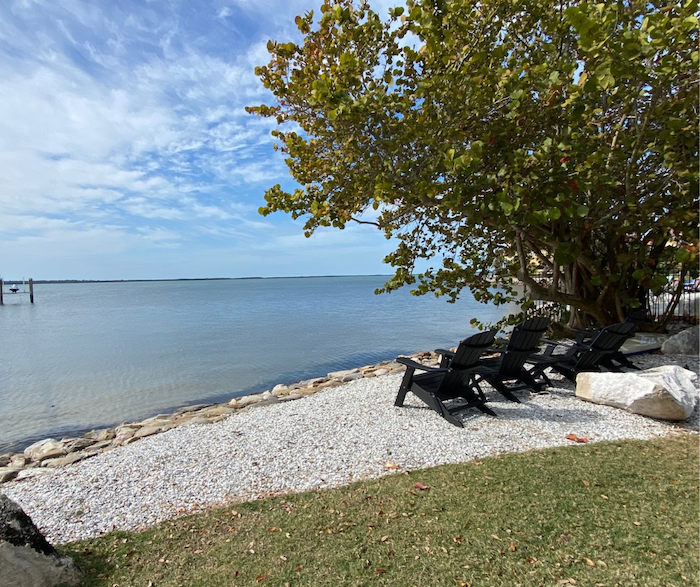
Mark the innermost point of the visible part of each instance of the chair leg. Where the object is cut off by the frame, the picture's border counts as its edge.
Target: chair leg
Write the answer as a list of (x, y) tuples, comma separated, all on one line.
[(625, 362), (529, 380), (502, 389), (486, 410), (431, 401), (405, 385)]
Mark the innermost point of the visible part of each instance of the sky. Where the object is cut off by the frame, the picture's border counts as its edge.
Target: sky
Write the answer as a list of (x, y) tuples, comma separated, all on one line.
[(126, 151)]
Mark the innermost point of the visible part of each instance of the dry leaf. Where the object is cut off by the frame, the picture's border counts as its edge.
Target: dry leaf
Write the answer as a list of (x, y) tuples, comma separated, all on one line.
[(512, 547), (495, 537), (419, 486), (390, 465), (380, 571), (283, 558), (576, 438), (588, 561), (463, 583), (390, 553), (384, 539), (586, 483), (260, 577), (637, 523)]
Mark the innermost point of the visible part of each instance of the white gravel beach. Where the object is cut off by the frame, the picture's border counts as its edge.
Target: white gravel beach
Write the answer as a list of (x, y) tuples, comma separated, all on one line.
[(332, 438)]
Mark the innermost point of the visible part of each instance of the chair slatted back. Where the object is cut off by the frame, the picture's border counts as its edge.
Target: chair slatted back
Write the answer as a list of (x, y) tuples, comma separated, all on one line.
[(606, 342), (521, 345), (538, 324), (612, 337), (470, 349)]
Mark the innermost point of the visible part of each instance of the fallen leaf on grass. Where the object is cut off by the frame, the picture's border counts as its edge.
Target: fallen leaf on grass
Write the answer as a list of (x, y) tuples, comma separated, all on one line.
[(637, 523), (380, 571), (586, 483), (463, 583), (260, 577), (512, 547), (420, 486), (588, 561)]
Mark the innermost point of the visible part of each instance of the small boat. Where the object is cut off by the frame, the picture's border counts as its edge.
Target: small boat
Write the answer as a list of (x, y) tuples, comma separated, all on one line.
[(14, 288)]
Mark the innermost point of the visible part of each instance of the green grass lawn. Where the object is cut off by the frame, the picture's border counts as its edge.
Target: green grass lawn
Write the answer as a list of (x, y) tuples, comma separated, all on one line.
[(620, 513)]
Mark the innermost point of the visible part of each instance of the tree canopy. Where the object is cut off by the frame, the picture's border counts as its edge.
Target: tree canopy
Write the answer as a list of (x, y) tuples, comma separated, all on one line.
[(550, 143)]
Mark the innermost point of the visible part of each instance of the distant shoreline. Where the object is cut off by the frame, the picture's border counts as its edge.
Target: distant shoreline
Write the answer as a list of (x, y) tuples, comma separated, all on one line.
[(59, 281)]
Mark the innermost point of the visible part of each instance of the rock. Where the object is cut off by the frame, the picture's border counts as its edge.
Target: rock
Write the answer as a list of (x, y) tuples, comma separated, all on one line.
[(8, 474), (247, 400), (665, 393), (280, 388), (79, 444), (106, 434), (351, 377), (98, 446), (146, 431), (45, 449), (123, 434), (331, 383), (26, 558), (683, 343), (312, 382), (218, 411), (69, 459), (18, 461), (196, 420), (155, 420), (5, 460), (341, 374), (380, 372), (291, 397), (188, 409)]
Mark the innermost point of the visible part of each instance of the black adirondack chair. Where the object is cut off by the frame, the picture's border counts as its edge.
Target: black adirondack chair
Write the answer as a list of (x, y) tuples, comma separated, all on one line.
[(440, 384), (509, 366), (617, 358), (583, 357)]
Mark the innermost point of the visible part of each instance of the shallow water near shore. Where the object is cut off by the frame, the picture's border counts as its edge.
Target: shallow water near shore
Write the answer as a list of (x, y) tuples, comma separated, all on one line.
[(90, 355)]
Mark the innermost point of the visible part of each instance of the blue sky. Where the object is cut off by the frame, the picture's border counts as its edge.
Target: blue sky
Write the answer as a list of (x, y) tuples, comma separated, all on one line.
[(127, 153)]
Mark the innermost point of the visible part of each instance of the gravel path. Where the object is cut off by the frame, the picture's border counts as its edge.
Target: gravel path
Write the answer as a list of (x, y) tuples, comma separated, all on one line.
[(328, 439)]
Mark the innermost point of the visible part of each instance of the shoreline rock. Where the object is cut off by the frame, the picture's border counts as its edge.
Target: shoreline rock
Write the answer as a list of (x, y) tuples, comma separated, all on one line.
[(52, 453)]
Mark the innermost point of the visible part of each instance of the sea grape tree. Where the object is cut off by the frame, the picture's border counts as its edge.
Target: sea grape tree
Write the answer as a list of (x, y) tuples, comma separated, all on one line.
[(550, 143)]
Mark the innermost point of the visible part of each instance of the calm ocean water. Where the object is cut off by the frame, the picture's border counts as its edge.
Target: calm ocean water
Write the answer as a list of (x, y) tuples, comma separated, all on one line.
[(93, 355)]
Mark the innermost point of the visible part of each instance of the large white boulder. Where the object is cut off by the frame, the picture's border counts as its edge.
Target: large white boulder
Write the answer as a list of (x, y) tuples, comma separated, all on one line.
[(664, 393), (685, 342)]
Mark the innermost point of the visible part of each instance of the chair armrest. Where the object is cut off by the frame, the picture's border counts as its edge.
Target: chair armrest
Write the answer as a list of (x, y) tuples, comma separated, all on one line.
[(411, 364), (444, 353)]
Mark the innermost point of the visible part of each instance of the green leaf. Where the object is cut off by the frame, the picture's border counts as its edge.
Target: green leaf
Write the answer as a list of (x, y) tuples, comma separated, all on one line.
[(682, 255)]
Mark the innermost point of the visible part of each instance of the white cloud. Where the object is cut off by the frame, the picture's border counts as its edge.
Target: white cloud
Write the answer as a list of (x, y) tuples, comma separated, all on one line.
[(123, 132)]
